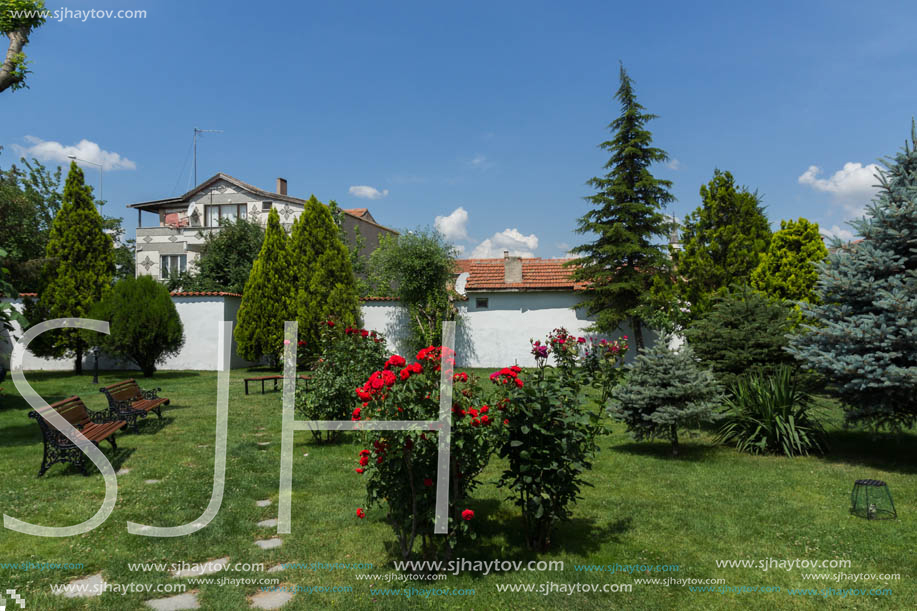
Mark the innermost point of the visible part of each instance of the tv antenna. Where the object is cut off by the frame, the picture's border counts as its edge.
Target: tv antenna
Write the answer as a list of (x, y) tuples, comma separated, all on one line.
[(197, 131)]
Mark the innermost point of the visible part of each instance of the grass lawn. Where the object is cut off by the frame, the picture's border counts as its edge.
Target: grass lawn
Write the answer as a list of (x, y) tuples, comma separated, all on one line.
[(645, 508)]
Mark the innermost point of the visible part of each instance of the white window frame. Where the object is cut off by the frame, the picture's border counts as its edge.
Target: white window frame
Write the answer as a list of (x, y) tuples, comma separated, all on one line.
[(167, 261)]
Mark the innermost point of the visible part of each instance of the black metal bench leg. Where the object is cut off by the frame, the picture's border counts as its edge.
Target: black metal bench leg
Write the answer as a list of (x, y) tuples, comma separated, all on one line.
[(246, 387), (111, 440), (44, 462)]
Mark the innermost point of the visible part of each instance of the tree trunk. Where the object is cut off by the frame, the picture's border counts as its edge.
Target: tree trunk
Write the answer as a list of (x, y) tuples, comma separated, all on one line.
[(674, 435), (78, 363), (18, 39), (637, 325)]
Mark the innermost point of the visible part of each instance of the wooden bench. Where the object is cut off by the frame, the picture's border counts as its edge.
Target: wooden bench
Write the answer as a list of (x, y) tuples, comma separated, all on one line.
[(263, 379), (127, 401), (95, 426)]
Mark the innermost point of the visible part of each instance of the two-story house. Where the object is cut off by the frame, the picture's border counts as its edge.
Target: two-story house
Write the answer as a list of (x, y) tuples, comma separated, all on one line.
[(175, 242)]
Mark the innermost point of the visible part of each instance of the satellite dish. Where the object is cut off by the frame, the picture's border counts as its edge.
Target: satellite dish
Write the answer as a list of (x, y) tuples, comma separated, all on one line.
[(191, 209)]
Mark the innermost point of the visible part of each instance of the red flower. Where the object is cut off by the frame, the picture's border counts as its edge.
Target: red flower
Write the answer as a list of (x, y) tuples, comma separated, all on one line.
[(581, 340), (416, 368), (485, 419), (364, 452), (359, 470), (388, 378), (405, 374), (467, 515), (519, 383), (475, 422), (301, 342), (394, 361), (379, 460), (516, 368), (505, 421), (364, 394), (330, 323), (484, 409), (428, 482), (473, 412), (364, 460), (363, 332), (461, 377), (362, 514), (356, 414)]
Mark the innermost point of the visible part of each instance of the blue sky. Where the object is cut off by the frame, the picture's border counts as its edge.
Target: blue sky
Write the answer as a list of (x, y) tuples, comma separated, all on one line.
[(494, 107)]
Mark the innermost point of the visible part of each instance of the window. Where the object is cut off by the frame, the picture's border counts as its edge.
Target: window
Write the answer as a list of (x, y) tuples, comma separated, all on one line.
[(266, 206), (172, 263), (480, 302), (214, 214)]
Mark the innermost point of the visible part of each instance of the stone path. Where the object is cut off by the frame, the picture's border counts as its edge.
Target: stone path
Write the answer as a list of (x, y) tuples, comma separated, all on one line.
[(123, 471), (269, 543), (264, 443), (271, 600), (86, 587), (151, 481), (188, 600), (263, 503), (268, 523)]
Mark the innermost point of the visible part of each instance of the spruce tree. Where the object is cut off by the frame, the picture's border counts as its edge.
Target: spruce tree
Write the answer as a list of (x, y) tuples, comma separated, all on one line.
[(267, 298), (322, 275), (864, 335), (79, 268), (665, 390), (788, 269), (722, 241), (626, 218)]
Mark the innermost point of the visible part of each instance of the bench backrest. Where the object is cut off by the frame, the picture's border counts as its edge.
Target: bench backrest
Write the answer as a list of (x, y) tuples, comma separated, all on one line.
[(122, 391), (73, 410)]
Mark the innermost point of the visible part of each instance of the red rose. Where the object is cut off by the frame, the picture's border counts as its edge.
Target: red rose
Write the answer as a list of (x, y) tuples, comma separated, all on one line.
[(363, 332), (428, 482), (475, 422), (364, 394), (330, 323), (581, 340), (485, 419), (519, 383), (359, 470), (484, 409), (416, 368), (356, 414), (362, 514), (505, 421), (364, 460), (364, 452), (467, 515), (473, 412), (405, 374), (461, 377), (379, 460), (394, 361), (516, 368)]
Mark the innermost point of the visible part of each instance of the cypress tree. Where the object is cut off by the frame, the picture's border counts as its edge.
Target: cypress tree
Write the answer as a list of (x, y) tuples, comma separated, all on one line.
[(626, 217), (788, 269), (863, 338), (723, 240), (267, 298), (79, 268), (322, 274)]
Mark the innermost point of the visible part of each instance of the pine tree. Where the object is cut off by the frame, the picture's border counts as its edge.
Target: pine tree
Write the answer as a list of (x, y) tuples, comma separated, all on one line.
[(722, 241), (79, 269), (864, 338), (267, 299), (322, 275), (626, 218), (665, 390), (788, 269)]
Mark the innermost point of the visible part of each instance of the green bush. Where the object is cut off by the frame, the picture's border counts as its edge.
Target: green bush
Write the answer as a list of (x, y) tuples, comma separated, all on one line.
[(772, 415), (348, 357), (665, 390), (744, 333), (144, 325)]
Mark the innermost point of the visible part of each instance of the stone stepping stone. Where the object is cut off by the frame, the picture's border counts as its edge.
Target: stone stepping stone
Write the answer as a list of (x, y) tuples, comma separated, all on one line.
[(123, 471), (271, 600), (203, 568), (269, 543), (268, 523), (264, 443), (151, 481), (263, 503), (275, 569), (86, 587), (188, 600)]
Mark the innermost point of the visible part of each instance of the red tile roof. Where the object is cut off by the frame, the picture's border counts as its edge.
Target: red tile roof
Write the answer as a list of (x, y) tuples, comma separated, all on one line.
[(203, 294), (537, 274), (356, 211)]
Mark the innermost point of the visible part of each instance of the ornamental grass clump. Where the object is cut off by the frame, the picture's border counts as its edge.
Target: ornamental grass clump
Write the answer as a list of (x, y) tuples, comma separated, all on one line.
[(665, 390), (772, 415), (547, 436), (400, 467), (348, 356)]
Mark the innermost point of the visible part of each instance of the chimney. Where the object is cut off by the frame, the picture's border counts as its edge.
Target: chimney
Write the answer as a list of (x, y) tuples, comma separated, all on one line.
[(512, 268), (281, 186)]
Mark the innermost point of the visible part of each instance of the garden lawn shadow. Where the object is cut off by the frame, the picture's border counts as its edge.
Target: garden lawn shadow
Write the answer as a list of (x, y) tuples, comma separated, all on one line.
[(885, 451), (687, 451)]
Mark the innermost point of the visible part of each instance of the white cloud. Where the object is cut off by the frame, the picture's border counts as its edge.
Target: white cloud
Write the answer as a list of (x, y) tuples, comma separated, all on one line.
[(367, 192), (480, 162), (673, 164), (853, 186), (513, 240), (836, 232), (49, 150), (453, 227)]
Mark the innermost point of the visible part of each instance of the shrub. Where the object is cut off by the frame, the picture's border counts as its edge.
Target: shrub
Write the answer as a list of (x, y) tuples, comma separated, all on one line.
[(548, 437), (347, 359), (772, 415), (401, 467), (665, 390), (603, 361), (745, 332), (144, 324)]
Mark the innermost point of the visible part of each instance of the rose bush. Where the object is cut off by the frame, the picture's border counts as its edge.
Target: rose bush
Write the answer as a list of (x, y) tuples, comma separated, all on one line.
[(400, 467), (347, 357), (548, 436), (603, 362)]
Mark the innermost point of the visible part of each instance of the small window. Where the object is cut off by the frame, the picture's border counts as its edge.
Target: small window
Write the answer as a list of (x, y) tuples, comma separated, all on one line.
[(224, 212), (266, 206), (480, 302), (172, 263)]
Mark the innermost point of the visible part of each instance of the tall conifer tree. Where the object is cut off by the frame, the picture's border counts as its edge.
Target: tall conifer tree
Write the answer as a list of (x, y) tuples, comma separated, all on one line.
[(864, 339), (79, 269), (788, 270), (626, 219), (322, 274), (267, 299)]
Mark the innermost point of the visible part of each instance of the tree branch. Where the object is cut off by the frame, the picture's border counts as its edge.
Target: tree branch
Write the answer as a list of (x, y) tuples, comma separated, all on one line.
[(11, 71)]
